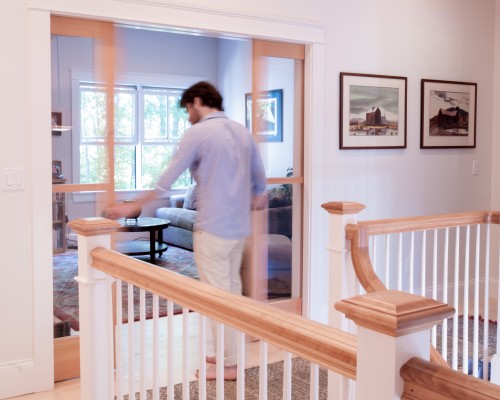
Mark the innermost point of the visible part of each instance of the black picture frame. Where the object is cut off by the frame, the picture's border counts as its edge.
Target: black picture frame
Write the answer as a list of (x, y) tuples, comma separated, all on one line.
[(269, 115), (372, 111), (448, 114)]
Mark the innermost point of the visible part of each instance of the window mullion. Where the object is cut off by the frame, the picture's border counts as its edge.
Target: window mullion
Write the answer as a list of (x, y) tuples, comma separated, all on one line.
[(139, 129)]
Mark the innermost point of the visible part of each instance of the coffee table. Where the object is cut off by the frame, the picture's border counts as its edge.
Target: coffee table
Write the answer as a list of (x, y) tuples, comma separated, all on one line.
[(142, 247)]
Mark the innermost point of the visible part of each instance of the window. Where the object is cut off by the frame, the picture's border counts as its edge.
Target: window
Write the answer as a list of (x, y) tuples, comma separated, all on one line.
[(148, 126)]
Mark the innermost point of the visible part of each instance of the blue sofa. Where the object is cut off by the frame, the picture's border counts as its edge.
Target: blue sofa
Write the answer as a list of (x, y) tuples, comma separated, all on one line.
[(181, 211)]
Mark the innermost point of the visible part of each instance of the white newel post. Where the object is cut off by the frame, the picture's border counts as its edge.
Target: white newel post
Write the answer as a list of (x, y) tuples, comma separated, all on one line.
[(96, 315), (342, 281), (393, 327)]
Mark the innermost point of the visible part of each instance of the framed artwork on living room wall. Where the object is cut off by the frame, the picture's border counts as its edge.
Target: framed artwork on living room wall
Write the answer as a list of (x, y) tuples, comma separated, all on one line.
[(448, 114), (372, 111), (269, 116)]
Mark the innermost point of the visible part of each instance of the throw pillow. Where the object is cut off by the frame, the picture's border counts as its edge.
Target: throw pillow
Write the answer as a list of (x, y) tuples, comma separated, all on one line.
[(190, 199)]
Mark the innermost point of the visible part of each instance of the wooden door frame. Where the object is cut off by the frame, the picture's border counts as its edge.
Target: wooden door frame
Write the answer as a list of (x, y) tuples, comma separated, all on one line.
[(257, 273), (67, 349)]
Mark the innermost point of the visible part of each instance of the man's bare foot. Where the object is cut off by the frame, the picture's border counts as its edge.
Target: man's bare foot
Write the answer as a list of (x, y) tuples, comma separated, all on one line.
[(211, 360), (230, 373)]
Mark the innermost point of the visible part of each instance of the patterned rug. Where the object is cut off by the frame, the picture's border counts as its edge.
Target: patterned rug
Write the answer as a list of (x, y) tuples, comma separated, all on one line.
[(65, 267), (492, 339)]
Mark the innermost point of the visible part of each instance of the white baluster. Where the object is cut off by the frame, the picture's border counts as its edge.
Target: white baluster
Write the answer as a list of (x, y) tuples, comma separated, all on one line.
[(475, 348), (240, 389), (424, 255), (400, 261), (444, 326), (434, 280), (314, 382), (142, 306), (220, 362), (287, 376), (202, 371), (486, 304), (465, 335), (387, 260), (119, 340), (130, 326), (156, 348), (263, 371), (454, 362), (170, 349), (412, 261), (185, 353)]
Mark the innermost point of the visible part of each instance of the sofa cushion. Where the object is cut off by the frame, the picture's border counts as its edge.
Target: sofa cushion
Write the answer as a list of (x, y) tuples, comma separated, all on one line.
[(177, 200), (180, 217), (190, 198)]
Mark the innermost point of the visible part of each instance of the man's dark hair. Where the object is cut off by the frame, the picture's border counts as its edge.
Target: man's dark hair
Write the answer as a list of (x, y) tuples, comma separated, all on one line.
[(208, 94)]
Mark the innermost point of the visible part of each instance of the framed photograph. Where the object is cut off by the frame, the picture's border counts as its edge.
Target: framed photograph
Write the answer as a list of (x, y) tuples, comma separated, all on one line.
[(56, 169), (56, 122), (448, 114), (372, 111), (269, 115)]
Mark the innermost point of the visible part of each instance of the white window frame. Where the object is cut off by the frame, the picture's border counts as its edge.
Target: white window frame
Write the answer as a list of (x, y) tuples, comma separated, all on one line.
[(121, 78)]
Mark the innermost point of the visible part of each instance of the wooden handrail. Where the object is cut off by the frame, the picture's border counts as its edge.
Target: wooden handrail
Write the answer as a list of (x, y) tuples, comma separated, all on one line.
[(363, 268), (326, 346), (428, 381), (396, 225)]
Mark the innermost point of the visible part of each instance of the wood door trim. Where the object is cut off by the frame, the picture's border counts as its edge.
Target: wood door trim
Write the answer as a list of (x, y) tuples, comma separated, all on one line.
[(66, 358), (276, 181), (67, 349), (267, 48), (68, 26)]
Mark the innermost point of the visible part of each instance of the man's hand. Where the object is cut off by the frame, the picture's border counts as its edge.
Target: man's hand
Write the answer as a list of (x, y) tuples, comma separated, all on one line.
[(260, 201)]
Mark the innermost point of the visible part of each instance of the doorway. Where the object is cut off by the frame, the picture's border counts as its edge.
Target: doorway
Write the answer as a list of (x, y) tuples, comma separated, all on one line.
[(284, 180)]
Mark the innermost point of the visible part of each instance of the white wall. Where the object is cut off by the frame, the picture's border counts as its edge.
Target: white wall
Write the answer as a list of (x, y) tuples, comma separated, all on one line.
[(235, 75), (235, 80), (495, 176), (446, 39)]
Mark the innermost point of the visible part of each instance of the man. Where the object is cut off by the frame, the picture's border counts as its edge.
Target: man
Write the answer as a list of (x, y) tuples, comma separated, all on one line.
[(230, 180)]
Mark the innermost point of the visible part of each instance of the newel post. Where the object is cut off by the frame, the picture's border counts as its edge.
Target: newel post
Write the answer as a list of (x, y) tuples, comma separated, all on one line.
[(95, 304), (342, 277), (342, 281), (393, 327)]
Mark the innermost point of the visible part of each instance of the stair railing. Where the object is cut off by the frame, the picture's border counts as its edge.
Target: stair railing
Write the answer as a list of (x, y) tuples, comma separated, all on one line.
[(389, 322), (453, 258)]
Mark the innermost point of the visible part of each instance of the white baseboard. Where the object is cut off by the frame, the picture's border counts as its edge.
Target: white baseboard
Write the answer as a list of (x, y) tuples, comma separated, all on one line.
[(493, 285), (16, 378)]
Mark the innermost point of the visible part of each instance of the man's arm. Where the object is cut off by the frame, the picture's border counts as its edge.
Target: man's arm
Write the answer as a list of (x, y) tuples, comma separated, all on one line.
[(258, 176), (183, 159)]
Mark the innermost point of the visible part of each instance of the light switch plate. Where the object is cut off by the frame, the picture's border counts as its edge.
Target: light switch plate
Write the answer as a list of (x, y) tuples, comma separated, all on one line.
[(13, 179), (475, 167)]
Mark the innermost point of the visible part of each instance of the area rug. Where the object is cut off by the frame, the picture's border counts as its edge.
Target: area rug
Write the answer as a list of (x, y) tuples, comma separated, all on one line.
[(65, 267), (300, 384)]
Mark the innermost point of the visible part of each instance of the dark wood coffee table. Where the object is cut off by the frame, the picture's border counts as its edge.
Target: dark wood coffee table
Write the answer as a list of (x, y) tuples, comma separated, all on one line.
[(142, 247)]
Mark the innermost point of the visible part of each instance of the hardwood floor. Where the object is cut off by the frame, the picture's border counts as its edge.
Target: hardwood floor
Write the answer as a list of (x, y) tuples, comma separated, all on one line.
[(70, 389)]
